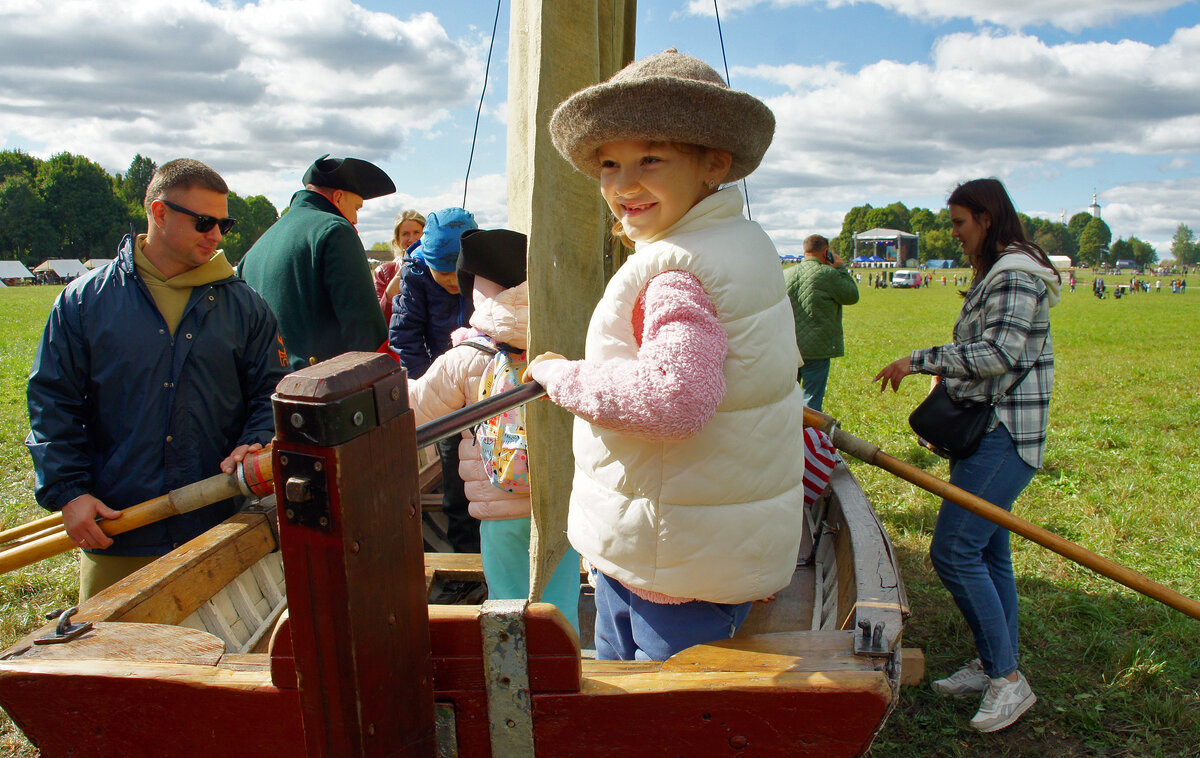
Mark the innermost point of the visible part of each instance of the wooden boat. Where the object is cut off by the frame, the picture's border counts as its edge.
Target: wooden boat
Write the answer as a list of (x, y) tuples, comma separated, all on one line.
[(200, 651)]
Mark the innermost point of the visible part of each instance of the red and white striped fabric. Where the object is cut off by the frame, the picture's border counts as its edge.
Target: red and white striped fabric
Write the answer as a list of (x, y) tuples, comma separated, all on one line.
[(820, 458)]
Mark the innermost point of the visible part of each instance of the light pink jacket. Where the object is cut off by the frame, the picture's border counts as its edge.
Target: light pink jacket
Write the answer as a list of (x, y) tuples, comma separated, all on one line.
[(453, 382)]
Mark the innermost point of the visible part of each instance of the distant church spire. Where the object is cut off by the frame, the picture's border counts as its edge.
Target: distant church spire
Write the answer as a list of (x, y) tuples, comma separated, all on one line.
[(1094, 208)]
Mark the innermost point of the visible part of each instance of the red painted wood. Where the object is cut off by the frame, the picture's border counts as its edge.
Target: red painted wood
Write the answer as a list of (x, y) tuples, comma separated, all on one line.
[(356, 589)]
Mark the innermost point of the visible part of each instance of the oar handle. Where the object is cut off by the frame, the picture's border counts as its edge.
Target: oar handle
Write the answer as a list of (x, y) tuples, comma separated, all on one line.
[(476, 413), (871, 454), (182, 500)]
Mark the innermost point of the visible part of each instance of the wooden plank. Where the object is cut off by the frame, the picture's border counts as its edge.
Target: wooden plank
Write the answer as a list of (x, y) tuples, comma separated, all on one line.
[(912, 660), (146, 643), (173, 587), (555, 49)]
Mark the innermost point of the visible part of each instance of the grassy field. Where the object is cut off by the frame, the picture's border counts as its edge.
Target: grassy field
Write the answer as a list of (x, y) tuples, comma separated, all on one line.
[(1116, 674)]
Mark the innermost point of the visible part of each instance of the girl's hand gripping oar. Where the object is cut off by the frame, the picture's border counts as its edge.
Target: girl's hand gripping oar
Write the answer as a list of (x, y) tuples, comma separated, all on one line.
[(871, 454)]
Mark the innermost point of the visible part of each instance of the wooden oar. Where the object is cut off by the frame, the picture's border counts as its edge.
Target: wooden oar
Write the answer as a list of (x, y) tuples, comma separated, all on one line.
[(254, 475), (871, 454), (33, 527)]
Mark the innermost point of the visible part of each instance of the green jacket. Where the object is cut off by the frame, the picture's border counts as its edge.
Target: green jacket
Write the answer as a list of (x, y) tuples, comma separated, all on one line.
[(818, 292), (311, 269)]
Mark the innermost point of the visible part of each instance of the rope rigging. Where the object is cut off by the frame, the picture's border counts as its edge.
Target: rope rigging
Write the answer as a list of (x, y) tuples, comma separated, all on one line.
[(479, 111), (729, 83)]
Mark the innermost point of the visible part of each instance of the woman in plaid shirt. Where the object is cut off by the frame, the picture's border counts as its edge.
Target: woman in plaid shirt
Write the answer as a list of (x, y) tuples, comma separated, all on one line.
[(1003, 329)]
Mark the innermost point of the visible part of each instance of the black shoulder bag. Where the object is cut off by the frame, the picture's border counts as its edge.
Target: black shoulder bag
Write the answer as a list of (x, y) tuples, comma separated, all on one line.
[(953, 427)]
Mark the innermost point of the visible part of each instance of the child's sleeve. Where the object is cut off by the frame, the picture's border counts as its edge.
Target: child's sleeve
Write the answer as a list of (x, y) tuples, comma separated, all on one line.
[(673, 387)]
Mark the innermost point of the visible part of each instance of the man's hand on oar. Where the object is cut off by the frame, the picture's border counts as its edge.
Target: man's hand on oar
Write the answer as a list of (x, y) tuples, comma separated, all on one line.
[(229, 465), (79, 517)]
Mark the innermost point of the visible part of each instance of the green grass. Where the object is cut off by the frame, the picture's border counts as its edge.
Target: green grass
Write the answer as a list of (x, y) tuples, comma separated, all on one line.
[(1116, 674)]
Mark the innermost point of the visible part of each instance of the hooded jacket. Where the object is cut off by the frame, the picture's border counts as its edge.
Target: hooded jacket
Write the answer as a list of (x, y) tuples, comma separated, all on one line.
[(423, 317), (1003, 327), (122, 409), (452, 382)]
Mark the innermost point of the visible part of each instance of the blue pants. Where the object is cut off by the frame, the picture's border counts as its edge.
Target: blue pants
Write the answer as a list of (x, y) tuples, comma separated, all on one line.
[(971, 554), (629, 628), (504, 550), (813, 376)]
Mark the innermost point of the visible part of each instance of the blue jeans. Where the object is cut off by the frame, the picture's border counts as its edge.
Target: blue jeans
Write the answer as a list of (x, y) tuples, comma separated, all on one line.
[(971, 554), (813, 376), (629, 628)]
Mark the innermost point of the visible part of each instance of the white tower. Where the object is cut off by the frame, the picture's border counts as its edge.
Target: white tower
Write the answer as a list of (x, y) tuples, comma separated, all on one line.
[(1094, 208)]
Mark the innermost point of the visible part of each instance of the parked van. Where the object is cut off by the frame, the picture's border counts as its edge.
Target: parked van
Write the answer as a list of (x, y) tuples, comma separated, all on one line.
[(906, 278)]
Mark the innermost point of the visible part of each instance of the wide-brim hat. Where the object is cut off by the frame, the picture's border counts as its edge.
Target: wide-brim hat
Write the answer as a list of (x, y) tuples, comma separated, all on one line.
[(358, 176), (497, 255), (668, 97)]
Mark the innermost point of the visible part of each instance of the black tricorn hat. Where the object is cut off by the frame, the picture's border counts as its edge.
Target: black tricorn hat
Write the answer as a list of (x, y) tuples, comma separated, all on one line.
[(357, 176), (497, 255)]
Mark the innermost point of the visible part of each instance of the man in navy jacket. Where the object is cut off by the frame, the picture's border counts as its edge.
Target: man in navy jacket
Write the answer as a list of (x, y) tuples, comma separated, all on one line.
[(154, 371)]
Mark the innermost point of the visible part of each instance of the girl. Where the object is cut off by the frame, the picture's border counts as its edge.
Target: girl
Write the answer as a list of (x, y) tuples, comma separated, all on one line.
[(688, 492), (1002, 331), (406, 233), (492, 268)]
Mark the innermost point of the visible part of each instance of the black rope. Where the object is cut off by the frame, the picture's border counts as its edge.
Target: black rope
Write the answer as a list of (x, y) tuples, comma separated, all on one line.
[(479, 110), (729, 82)]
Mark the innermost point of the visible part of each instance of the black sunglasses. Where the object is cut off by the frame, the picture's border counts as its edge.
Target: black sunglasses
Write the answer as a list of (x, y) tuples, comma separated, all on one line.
[(204, 223)]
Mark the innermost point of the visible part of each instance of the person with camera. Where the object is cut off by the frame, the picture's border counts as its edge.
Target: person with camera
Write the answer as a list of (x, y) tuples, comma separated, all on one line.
[(818, 287), (1002, 354)]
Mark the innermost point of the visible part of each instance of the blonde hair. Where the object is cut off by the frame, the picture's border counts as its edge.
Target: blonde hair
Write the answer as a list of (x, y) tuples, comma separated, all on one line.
[(401, 217)]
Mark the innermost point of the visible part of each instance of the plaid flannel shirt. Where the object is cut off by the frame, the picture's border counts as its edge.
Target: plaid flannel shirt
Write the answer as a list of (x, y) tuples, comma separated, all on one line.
[(1002, 328)]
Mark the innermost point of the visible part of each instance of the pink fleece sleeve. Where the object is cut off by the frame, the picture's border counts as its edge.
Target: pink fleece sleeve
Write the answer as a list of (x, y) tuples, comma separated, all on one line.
[(673, 387)]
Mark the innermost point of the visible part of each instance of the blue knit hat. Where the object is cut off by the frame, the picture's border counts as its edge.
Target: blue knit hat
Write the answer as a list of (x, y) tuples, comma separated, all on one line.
[(440, 240)]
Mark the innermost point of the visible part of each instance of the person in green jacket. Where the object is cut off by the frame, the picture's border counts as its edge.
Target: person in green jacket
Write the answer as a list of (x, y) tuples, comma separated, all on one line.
[(818, 287), (311, 268)]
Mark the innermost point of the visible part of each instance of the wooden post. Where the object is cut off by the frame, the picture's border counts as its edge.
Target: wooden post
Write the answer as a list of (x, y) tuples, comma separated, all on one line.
[(557, 47), (350, 530)]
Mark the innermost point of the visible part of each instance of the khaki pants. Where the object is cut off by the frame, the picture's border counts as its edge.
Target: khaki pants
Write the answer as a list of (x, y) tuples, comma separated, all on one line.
[(98, 572)]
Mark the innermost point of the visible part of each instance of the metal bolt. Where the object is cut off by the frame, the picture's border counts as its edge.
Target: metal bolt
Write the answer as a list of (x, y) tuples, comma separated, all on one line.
[(510, 723), (355, 547), (297, 489), (283, 460), (737, 742), (290, 514), (395, 393), (358, 418), (297, 420), (503, 636), (318, 465), (323, 521)]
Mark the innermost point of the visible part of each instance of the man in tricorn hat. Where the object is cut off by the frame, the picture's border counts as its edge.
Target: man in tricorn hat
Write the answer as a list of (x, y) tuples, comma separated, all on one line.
[(311, 268)]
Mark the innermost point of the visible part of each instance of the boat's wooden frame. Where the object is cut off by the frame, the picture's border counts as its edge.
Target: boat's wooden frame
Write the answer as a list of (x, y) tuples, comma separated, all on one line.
[(813, 672)]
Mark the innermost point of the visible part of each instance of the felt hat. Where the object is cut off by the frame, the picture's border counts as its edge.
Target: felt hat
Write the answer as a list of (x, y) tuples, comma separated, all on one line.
[(668, 97), (497, 255), (440, 240), (360, 177)]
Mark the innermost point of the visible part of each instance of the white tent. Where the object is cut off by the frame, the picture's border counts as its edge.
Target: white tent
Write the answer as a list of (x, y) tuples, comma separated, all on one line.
[(63, 268), (1061, 262), (94, 263), (14, 270), (901, 242)]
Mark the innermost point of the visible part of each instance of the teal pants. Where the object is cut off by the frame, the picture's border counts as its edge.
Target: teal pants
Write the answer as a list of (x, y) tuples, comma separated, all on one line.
[(504, 548)]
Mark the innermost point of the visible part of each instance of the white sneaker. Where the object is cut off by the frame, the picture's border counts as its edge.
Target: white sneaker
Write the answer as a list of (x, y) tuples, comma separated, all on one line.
[(968, 680), (1003, 703)]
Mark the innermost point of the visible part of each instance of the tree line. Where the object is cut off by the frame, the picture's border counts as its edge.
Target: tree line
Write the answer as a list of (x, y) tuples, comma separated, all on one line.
[(69, 207), (1086, 240)]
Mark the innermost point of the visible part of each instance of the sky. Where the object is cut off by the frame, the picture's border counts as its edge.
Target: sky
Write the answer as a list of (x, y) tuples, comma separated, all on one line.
[(876, 101)]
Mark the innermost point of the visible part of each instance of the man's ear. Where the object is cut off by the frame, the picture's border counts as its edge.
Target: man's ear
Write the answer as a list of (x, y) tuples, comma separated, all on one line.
[(158, 213)]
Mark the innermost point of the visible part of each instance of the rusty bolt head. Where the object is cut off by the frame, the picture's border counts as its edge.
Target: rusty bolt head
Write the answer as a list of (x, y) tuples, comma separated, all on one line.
[(738, 742), (318, 465)]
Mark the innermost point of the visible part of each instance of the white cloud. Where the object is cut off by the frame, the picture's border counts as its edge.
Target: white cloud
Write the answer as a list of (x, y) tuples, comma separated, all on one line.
[(256, 90), (1071, 15), (987, 104)]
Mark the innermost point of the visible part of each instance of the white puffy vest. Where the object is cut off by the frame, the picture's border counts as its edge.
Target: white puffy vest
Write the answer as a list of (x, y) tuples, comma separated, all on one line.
[(717, 516)]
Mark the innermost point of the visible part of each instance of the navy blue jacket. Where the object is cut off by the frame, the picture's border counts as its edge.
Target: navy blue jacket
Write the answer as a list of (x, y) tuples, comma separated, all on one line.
[(120, 409), (423, 316)]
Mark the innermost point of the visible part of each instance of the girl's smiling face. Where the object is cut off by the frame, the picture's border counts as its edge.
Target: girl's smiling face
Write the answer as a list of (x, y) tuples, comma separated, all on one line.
[(651, 185)]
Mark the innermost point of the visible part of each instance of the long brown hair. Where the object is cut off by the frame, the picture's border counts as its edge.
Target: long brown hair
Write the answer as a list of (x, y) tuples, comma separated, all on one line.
[(988, 196)]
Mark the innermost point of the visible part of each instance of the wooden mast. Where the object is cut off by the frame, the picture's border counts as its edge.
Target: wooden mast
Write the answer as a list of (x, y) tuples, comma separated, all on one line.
[(557, 47)]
